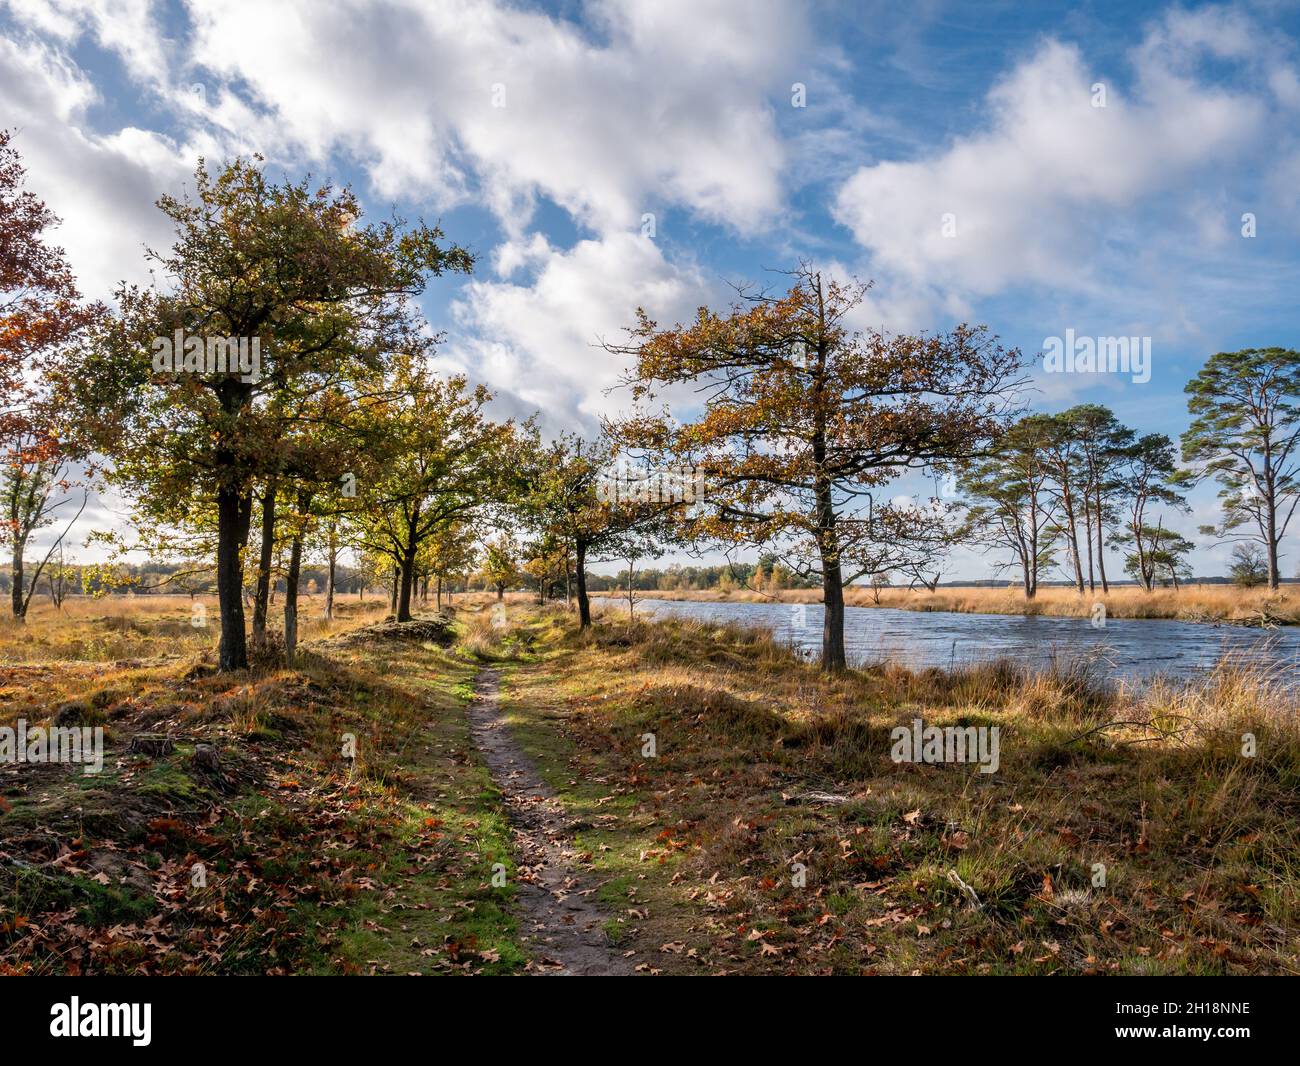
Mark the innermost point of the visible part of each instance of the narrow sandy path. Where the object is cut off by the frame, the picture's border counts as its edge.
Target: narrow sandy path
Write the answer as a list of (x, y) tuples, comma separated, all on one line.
[(561, 923)]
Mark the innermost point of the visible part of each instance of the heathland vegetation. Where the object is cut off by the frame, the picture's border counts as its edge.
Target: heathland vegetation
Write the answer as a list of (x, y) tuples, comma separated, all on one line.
[(768, 832)]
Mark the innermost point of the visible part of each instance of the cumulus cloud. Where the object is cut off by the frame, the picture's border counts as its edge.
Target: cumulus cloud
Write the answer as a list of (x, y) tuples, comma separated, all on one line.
[(1037, 194), (651, 105), (620, 111), (103, 187), (127, 27), (541, 339)]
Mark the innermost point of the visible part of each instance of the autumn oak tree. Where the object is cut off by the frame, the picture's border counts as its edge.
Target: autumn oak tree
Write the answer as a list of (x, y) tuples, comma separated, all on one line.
[(441, 458), (499, 566), (804, 421), (602, 503)]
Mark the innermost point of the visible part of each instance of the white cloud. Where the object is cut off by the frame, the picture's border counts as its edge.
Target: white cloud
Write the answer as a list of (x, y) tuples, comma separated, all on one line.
[(102, 187), (513, 255), (1034, 195), (127, 27), (542, 341), (657, 112), (663, 108)]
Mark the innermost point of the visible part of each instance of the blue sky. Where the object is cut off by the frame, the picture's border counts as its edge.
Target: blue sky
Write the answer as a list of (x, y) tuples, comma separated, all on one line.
[(954, 153)]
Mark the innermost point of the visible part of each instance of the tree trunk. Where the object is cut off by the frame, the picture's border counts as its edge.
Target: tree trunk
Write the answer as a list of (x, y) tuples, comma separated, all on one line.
[(1274, 576), (396, 573), (19, 607), (833, 658), (1031, 582), (437, 593), (291, 581), (234, 510), (1072, 539), (1087, 540), (331, 567), (263, 595), (1101, 547), (407, 577), (407, 580), (1028, 548), (580, 579), (1144, 567)]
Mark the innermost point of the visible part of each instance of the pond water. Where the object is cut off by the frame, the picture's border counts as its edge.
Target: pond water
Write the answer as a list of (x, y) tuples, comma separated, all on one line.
[(1127, 648)]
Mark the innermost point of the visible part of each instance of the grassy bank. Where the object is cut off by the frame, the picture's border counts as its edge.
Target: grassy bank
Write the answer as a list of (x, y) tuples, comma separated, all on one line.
[(732, 809), (284, 857), (764, 770), (1192, 603)]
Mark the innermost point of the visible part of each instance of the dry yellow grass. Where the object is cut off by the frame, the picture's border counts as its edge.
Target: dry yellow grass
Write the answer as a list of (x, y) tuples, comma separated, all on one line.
[(1154, 786), (1196, 835), (140, 627), (1192, 603)]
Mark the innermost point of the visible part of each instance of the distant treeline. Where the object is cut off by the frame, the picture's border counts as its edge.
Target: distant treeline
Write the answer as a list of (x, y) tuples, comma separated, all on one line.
[(998, 583), (767, 574), (172, 579), (769, 578)]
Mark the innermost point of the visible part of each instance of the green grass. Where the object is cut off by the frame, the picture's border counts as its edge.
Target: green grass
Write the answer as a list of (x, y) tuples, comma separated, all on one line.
[(442, 915)]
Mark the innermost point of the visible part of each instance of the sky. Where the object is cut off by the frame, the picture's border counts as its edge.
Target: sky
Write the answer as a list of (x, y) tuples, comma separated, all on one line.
[(1051, 170)]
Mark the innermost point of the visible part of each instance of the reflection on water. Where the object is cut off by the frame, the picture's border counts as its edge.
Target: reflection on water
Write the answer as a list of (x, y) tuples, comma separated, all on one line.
[(1131, 648)]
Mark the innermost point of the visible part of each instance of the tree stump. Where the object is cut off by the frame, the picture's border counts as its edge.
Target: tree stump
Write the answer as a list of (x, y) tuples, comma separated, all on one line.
[(151, 744), (205, 758)]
